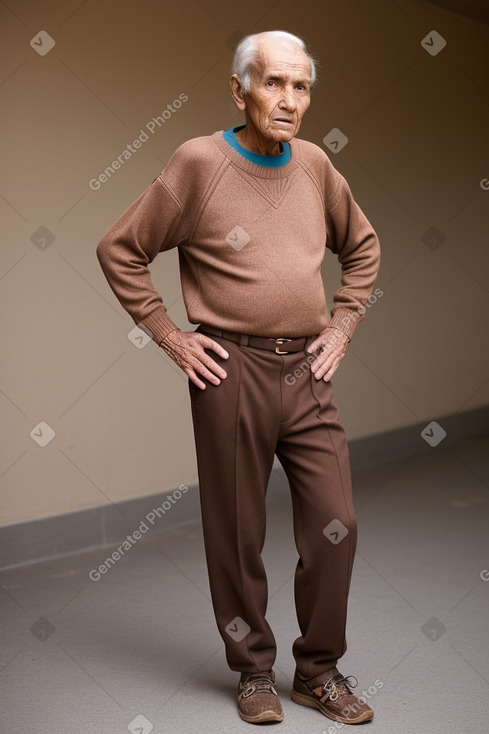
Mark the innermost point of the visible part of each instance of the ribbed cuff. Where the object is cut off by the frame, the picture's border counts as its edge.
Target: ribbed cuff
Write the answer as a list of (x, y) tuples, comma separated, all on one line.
[(346, 320), (159, 324)]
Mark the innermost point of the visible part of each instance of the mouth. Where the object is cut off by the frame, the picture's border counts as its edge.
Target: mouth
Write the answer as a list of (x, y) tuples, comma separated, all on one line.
[(283, 120)]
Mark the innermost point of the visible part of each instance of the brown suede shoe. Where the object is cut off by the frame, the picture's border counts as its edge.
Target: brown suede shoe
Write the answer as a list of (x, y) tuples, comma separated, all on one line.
[(330, 694), (258, 700)]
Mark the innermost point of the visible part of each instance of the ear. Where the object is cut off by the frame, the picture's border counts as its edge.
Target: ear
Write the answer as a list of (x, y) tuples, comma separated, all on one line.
[(237, 92)]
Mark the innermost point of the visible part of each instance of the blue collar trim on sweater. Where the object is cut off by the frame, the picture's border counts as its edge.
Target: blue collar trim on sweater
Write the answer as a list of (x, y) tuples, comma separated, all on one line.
[(269, 161)]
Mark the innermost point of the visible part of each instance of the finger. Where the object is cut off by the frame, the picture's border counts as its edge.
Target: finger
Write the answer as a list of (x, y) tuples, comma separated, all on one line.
[(193, 378), (329, 374), (331, 368), (206, 360), (206, 366), (318, 363), (323, 369), (321, 359), (209, 343), (328, 338), (316, 344), (318, 354), (323, 344), (208, 369), (329, 363)]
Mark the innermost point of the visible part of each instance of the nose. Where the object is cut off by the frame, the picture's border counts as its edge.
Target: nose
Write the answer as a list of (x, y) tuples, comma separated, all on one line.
[(288, 101)]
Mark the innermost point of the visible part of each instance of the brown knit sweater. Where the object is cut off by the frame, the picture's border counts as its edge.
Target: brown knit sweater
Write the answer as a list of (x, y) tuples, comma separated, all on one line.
[(251, 241)]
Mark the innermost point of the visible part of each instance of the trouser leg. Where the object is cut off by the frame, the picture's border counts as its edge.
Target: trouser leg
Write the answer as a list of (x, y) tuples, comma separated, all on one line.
[(238, 426), (313, 451), (236, 429)]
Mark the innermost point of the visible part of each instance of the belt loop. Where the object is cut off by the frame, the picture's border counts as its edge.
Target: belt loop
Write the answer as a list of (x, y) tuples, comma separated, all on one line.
[(243, 340)]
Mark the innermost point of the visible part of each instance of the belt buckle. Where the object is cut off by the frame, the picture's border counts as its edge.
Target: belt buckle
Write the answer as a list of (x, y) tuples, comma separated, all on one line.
[(281, 340)]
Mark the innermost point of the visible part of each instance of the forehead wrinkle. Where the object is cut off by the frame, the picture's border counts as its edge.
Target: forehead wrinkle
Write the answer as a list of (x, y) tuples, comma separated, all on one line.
[(296, 72), (285, 69), (266, 57)]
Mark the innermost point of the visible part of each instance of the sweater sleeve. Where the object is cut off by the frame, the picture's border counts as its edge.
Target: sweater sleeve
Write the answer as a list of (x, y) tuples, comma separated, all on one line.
[(150, 225), (352, 238)]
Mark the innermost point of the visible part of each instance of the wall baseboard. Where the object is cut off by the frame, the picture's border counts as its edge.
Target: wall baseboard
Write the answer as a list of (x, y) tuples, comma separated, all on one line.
[(403, 442), (110, 525)]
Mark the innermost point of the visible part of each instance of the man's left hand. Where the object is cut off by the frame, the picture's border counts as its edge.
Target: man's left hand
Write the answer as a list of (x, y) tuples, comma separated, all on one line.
[(330, 348)]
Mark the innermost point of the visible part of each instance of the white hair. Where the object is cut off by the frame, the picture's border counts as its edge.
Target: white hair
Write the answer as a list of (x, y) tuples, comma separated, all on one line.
[(247, 51)]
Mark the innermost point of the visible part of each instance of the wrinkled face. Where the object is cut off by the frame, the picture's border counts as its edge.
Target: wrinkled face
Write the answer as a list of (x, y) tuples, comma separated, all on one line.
[(280, 91)]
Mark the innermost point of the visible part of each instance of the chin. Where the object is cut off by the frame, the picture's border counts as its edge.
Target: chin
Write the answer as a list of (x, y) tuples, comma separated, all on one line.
[(284, 136)]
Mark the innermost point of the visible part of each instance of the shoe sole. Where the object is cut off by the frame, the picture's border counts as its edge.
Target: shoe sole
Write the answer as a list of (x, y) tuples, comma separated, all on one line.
[(303, 700), (260, 718)]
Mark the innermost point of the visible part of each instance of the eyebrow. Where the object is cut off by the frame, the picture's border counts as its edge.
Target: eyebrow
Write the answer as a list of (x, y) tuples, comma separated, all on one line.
[(280, 77)]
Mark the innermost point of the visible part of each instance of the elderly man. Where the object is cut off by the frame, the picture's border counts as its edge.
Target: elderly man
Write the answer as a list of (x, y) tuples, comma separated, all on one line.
[(251, 211)]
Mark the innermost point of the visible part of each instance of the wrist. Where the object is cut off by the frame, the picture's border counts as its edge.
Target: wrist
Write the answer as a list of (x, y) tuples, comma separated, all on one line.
[(161, 342), (336, 328)]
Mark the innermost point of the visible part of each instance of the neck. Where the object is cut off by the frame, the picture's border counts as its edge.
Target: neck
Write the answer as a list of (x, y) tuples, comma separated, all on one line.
[(249, 140)]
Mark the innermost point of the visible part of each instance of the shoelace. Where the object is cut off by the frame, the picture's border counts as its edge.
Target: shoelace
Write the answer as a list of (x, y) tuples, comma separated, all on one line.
[(330, 688), (259, 683)]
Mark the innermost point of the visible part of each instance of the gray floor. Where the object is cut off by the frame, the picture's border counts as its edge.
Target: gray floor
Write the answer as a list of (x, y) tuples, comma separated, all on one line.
[(138, 650)]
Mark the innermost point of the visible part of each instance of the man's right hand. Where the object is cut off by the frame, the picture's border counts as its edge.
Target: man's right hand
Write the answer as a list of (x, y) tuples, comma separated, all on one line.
[(186, 348)]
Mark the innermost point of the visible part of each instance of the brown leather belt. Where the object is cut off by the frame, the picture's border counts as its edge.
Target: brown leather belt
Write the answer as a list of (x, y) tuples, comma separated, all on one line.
[(280, 345)]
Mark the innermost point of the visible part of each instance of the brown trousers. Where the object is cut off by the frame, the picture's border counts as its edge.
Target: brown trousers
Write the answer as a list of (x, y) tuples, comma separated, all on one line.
[(259, 410)]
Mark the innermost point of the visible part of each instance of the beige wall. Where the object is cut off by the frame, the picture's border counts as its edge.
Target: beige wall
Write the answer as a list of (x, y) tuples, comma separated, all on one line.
[(417, 127)]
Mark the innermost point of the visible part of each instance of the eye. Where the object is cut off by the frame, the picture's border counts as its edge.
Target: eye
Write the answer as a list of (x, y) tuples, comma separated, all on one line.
[(270, 83)]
